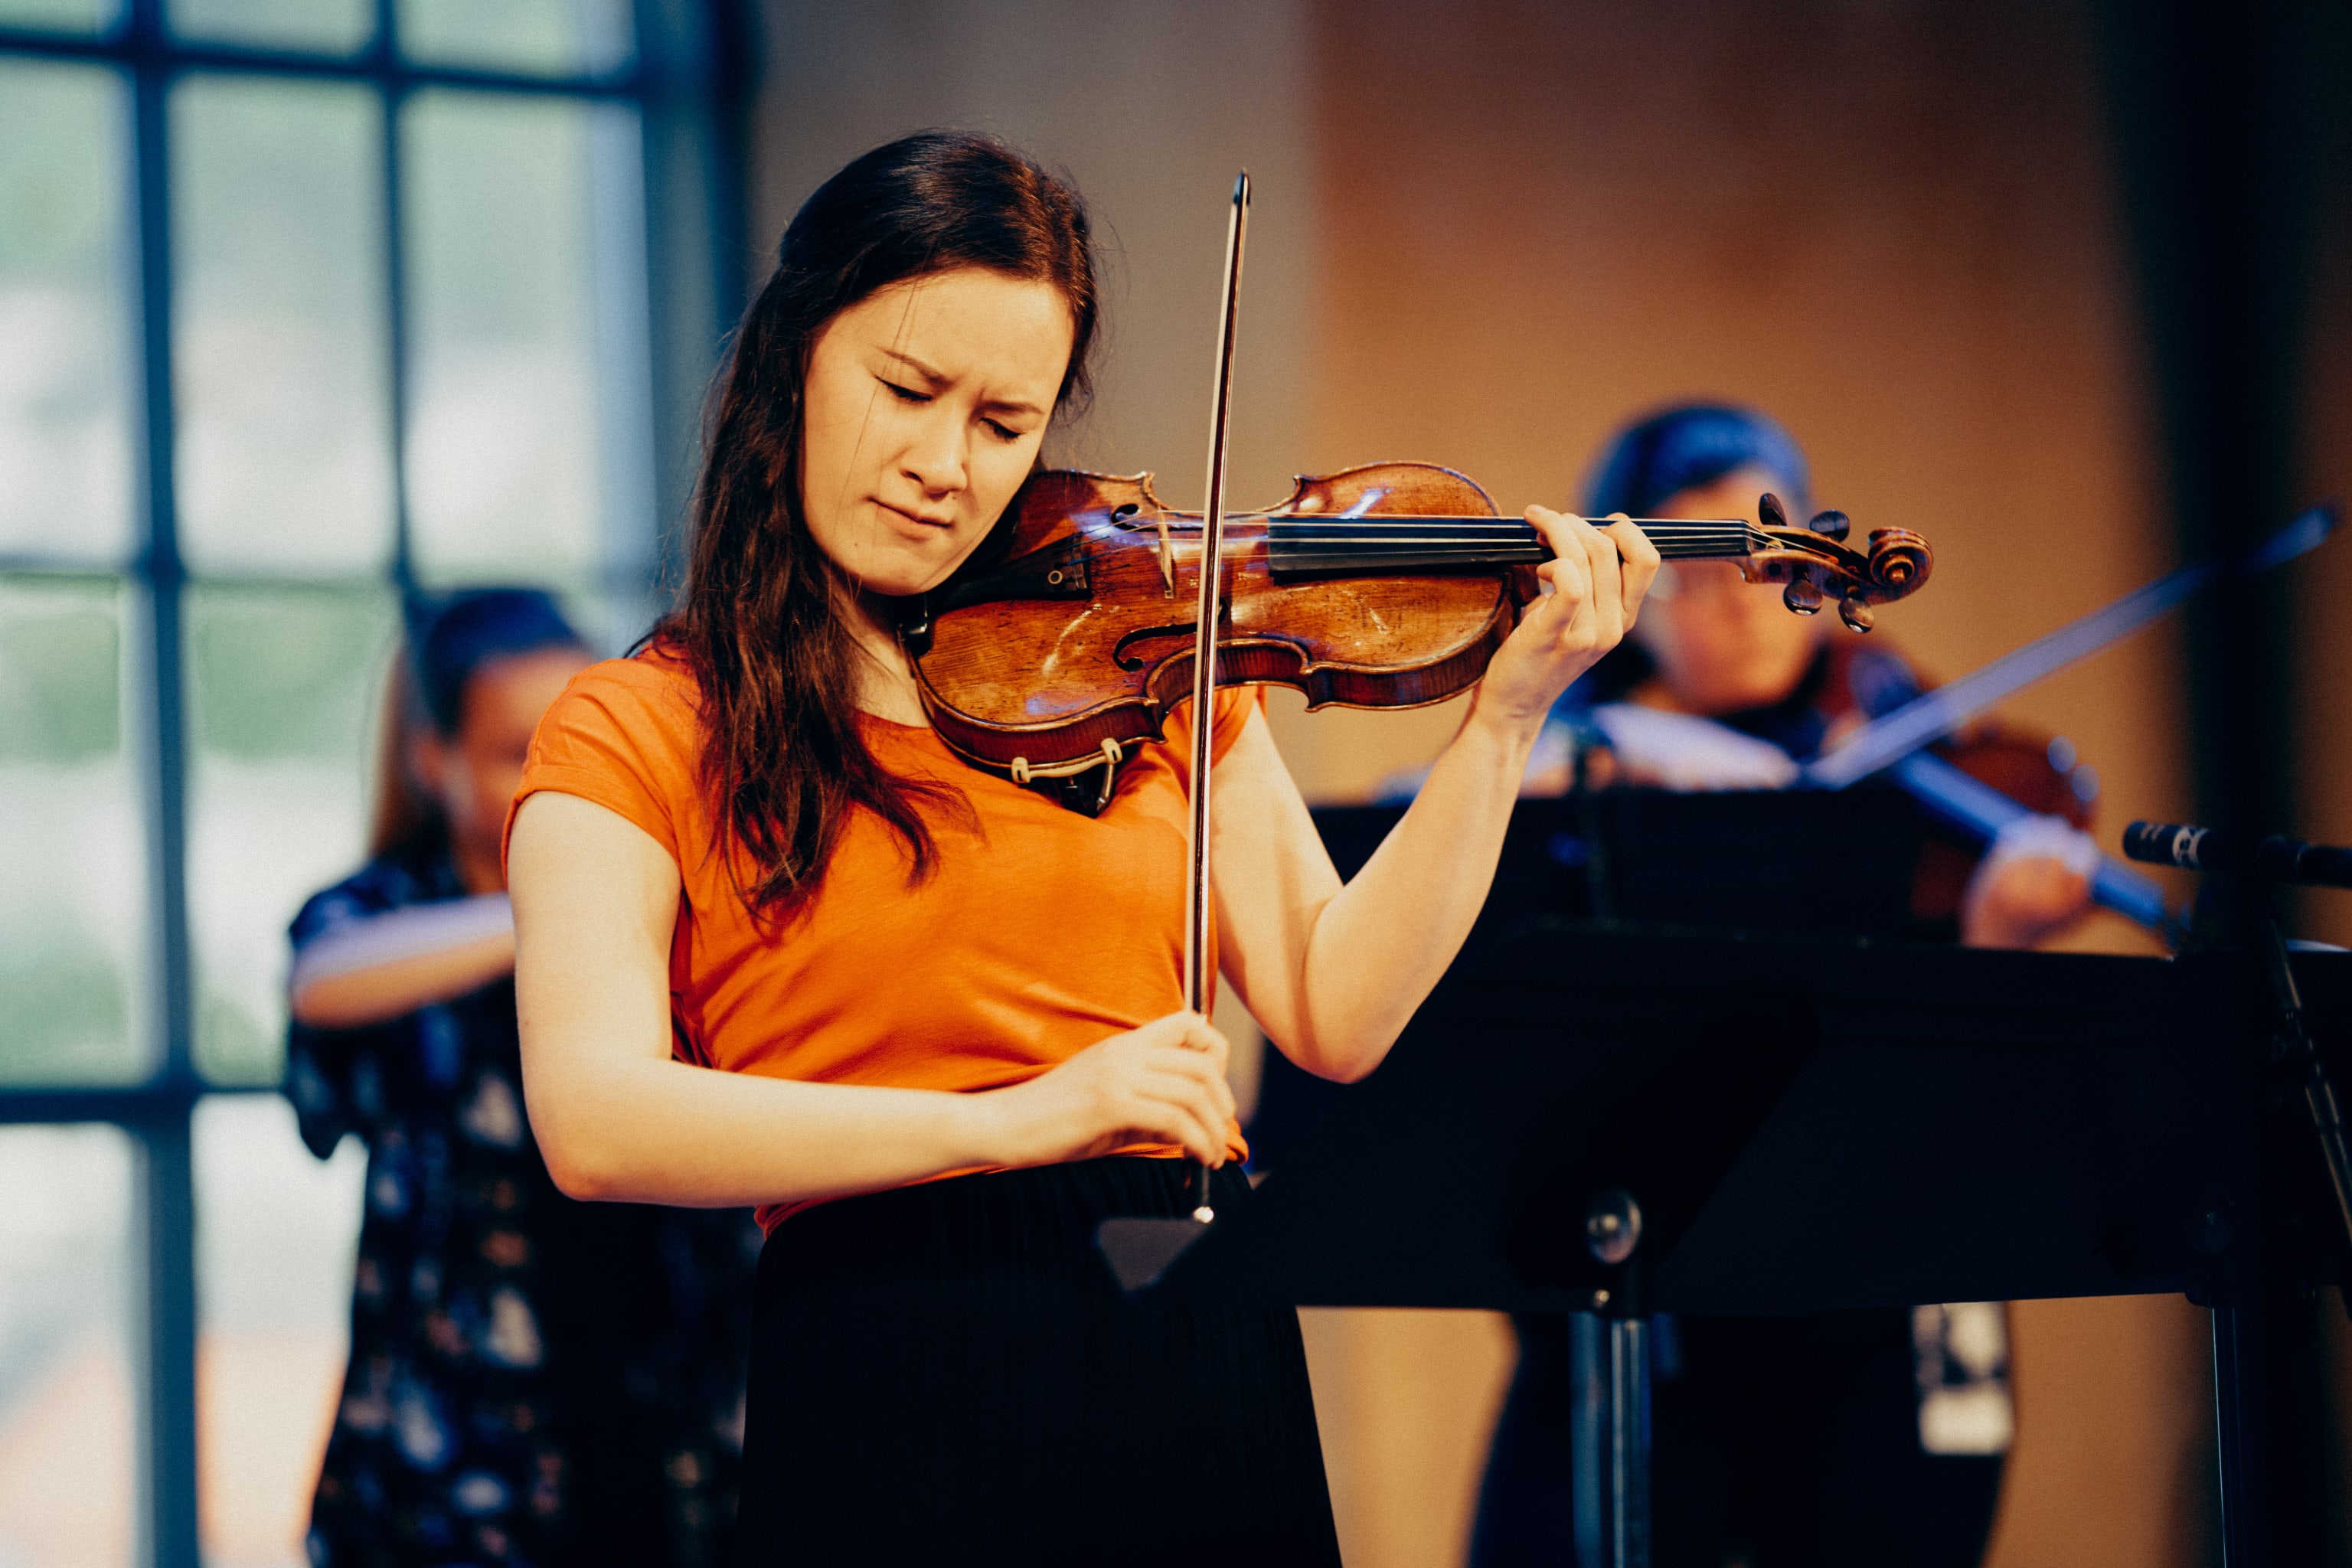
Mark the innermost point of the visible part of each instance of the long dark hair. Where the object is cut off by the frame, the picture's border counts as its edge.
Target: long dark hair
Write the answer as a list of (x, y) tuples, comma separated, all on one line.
[(782, 758)]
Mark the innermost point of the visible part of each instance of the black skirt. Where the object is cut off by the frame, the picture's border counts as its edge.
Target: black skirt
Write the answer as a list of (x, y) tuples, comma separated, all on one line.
[(948, 1374)]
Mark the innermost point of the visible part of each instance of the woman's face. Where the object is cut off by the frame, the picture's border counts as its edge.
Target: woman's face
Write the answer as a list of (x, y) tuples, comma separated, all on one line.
[(1721, 643), (475, 772), (925, 404)]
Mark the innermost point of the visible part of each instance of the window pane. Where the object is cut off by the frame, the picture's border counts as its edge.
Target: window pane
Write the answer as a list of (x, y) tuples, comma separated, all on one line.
[(73, 875), (65, 1420), (65, 398), (284, 440), (276, 1233), (557, 37), (323, 26), (529, 441), (60, 16), (283, 690)]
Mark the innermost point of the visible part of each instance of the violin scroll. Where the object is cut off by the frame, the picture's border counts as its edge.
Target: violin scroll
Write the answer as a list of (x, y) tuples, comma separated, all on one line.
[(1816, 564)]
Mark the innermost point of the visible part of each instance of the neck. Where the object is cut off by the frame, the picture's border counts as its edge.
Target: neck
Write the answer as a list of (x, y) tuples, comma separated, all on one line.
[(886, 681)]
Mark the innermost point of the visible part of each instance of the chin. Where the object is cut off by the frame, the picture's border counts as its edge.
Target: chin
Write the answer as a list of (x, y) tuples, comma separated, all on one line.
[(904, 575)]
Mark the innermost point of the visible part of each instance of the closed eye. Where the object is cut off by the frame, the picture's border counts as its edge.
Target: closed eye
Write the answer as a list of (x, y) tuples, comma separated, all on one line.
[(906, 394), (1003, 433)]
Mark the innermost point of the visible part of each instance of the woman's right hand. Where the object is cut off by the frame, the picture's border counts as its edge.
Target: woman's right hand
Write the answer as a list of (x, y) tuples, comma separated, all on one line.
[(1163, 1083)]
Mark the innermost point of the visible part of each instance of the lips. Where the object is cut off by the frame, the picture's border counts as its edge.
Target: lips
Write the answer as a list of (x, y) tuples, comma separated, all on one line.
[(920, 519)]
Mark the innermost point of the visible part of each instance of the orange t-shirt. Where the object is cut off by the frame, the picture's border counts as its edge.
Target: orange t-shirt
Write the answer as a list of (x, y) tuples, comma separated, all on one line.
[(1035, 937)]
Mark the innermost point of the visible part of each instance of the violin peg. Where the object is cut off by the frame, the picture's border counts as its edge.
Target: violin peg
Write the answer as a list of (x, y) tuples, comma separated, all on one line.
[(1854, 614), (1769, 508), (1802, 597), (1831, 524)]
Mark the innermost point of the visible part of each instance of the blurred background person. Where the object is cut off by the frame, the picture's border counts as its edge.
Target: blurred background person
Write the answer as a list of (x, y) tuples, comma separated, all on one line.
[(532, 1379), (1799, 1441)]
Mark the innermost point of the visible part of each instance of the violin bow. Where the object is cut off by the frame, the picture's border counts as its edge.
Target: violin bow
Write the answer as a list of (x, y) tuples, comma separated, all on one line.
[(1199, 911), (1140, 1250), (1931, 715)]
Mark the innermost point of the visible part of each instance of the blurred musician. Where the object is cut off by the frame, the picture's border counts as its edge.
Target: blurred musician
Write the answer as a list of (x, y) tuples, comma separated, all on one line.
[(532, 1380), (1852, 1438)]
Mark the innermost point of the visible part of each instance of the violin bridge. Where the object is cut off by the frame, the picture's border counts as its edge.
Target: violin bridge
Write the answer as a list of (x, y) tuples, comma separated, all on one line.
[(1167, 560)]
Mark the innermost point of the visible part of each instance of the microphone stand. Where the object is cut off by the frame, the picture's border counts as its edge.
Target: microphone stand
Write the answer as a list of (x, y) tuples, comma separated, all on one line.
[(2259, 1371), (2254, 1329)]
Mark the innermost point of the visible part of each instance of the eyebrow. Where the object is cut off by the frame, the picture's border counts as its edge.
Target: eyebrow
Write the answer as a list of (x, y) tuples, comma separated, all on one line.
[(1001, 405)]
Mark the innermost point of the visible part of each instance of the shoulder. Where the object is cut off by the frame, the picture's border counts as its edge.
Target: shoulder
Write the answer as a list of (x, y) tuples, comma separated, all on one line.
[(627, 735), (647, 706), (655, 683)]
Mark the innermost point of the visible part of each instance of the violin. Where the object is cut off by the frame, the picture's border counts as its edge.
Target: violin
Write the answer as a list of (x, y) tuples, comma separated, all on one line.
[(1092, 610), (1070, 633)]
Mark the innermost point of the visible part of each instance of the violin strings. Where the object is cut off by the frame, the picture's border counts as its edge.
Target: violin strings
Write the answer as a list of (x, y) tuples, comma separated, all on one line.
[(1372, 540)]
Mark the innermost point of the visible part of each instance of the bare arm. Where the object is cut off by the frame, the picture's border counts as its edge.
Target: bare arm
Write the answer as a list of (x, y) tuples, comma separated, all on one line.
[(1333, 972), (617, 1117), (364, 972)]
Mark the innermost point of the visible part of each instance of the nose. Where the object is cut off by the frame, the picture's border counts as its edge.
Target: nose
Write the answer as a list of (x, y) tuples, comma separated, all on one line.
[(936, 452)]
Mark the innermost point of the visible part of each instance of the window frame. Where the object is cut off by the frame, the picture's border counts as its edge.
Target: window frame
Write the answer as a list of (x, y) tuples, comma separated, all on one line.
[(686, 79)]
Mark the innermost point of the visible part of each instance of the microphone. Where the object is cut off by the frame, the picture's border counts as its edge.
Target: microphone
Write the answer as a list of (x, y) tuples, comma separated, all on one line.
[(2274, 859)]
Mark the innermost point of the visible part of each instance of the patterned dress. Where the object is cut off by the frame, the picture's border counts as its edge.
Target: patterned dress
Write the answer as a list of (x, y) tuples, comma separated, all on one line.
[(533, 1381)]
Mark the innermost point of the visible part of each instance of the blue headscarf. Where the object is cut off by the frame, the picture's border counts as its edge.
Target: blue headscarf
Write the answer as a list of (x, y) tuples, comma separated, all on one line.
[(452, 636), (1691, 444)]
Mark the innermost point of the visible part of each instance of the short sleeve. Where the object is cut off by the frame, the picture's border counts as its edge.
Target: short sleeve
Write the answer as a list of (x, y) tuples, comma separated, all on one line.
[(625, 734), (334, 1076), (1234, 705)]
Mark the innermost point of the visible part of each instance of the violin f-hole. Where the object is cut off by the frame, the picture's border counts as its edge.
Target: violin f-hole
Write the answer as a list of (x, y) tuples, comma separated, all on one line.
[(1126, 660)]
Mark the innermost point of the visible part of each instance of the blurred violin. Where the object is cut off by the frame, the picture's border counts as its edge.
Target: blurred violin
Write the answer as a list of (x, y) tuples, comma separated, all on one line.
[(1071, 634)]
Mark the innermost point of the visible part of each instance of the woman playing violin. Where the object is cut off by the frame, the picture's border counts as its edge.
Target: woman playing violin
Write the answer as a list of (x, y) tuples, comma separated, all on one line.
[(1717, 649), (1797, 1441), (777, 946)]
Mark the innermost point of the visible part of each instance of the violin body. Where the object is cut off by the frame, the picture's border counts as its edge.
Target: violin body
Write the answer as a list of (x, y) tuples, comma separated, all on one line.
[(1069, 636), (1044, 682)]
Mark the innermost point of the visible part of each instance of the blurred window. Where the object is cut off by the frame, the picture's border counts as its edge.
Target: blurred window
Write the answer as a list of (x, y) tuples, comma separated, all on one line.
[(60, 16), (526, 288), (275, 1234), (308, 305), (65, 1355), (322, 26), (279, 337), (284, 681), (556, 37), (74, 914), (65, 396)]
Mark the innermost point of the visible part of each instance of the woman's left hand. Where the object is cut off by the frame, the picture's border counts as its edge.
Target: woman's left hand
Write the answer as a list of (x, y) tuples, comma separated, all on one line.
[(1596, 581)]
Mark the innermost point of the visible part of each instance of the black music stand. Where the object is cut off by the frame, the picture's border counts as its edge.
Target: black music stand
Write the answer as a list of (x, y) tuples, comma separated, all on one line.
[(1730, 862), (1798, 1126)]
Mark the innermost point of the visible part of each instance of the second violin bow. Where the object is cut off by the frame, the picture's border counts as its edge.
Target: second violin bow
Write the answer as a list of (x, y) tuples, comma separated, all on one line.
[(1933, 715)]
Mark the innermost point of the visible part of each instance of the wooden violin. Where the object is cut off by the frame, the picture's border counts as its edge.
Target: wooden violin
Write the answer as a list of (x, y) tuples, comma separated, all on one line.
[(1069, 634)]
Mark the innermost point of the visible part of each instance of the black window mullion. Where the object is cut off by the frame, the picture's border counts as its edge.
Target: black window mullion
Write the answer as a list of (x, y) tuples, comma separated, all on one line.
[(167, 1178), (393, 96)]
